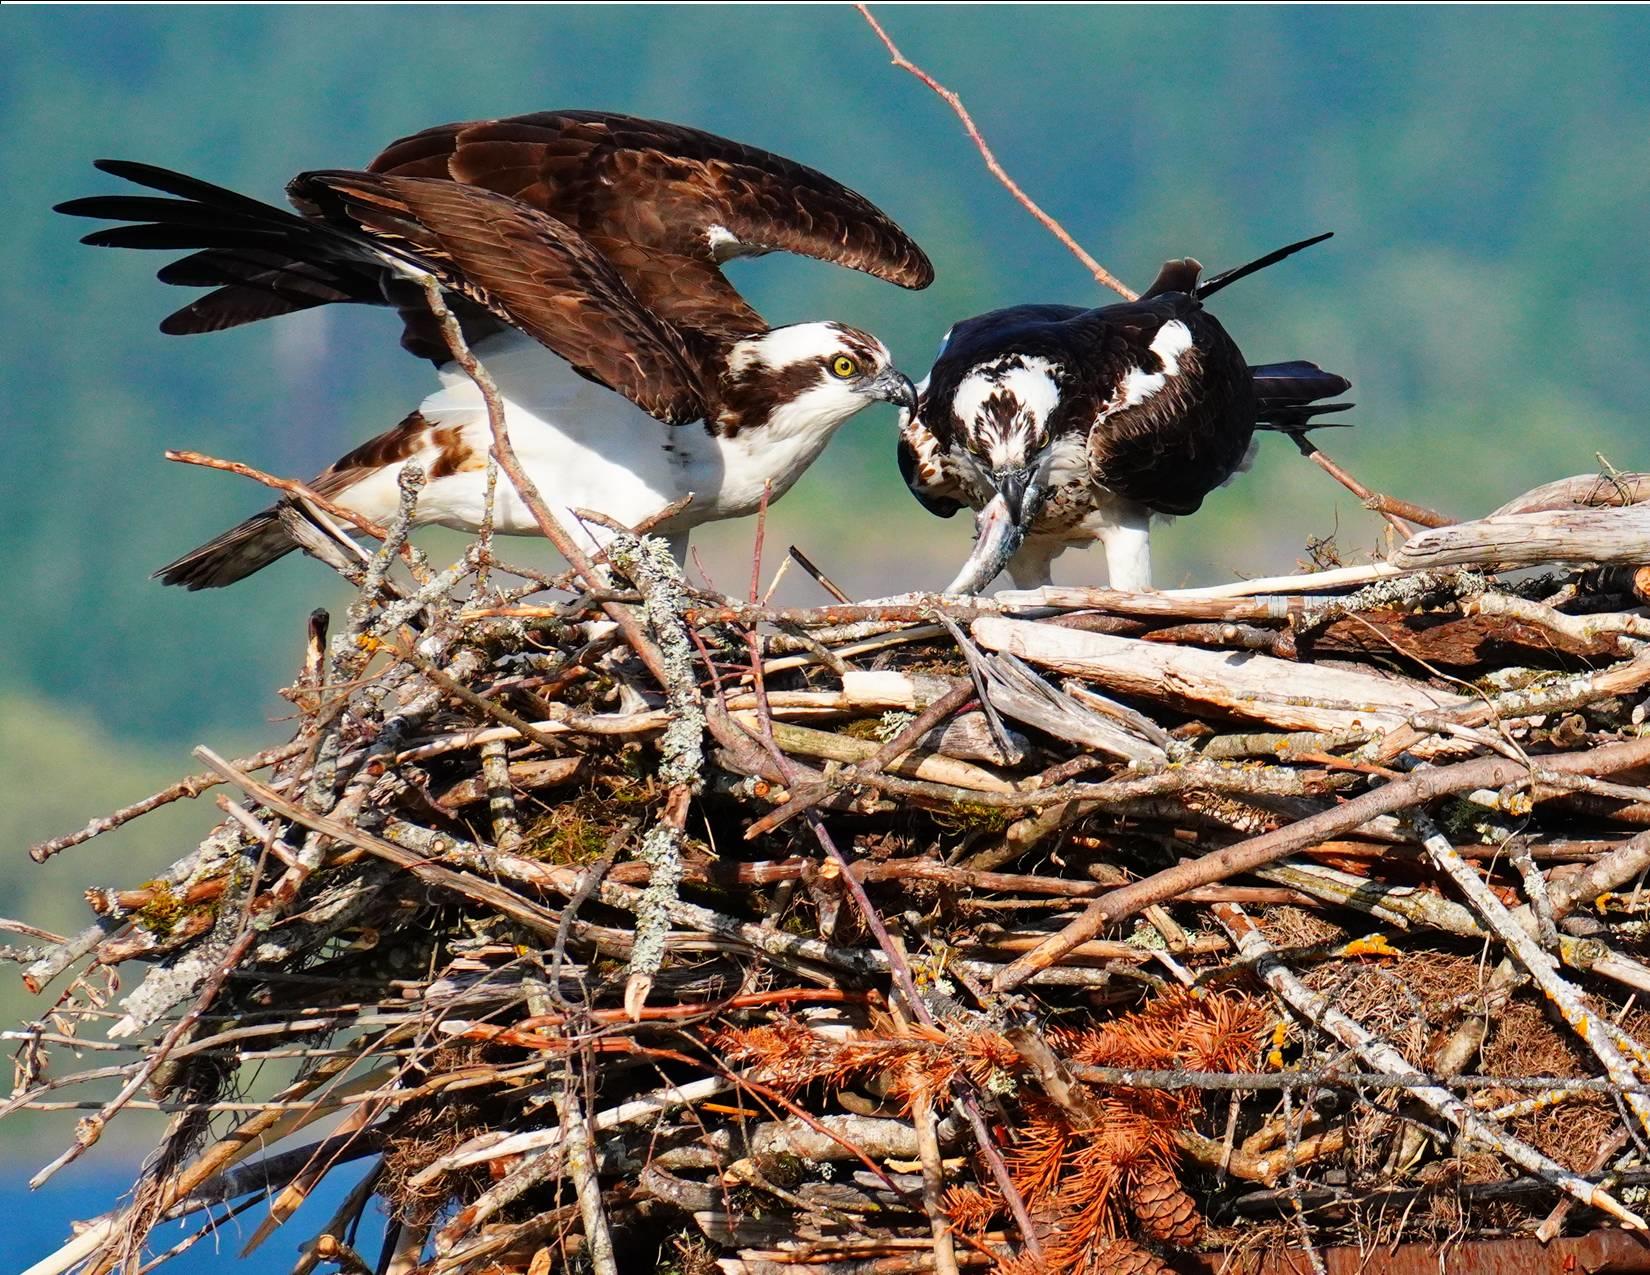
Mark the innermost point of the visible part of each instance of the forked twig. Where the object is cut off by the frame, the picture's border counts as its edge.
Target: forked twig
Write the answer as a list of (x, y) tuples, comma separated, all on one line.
[(1102, 276), (303, 493)]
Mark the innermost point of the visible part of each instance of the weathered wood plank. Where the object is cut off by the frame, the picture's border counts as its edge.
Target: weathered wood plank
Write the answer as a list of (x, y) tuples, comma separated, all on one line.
[(1239, 684), (1534, 539)]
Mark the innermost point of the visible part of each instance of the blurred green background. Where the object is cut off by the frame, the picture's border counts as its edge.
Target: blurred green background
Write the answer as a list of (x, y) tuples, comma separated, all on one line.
[(1486, 172)]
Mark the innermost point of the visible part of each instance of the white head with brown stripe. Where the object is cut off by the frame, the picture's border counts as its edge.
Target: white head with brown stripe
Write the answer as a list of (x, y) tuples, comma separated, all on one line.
[(806, 379)]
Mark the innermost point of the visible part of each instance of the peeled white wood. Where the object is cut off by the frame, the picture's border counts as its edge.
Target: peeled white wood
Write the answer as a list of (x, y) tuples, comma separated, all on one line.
[(1236, 683), (1589, 491), (1534, 539)]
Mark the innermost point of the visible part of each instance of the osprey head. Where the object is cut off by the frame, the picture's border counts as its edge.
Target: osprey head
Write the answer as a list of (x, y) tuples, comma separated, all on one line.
[(809, 376), (1001, 413)]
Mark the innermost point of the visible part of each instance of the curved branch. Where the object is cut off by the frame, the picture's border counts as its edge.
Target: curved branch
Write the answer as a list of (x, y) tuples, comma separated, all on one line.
[(1101, 275)]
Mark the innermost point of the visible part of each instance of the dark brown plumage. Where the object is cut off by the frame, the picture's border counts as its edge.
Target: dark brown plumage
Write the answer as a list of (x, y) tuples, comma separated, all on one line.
[(598, 234), (648, 193), (664, 204)]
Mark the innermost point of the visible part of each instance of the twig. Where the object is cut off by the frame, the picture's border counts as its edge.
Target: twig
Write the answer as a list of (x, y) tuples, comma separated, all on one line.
[(1398, 513), (1377, 1053), (409, 481), (819, 576), (582, 1169), (1583, 629), (1102, 276), (501, 802), (1535, 889), (1415, 790), (933, 1179), (191, 787), (303, 492), (1309, 582), (653, 571)]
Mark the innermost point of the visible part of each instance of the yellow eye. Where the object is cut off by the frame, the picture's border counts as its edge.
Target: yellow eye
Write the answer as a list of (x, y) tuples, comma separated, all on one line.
[(843, 366)]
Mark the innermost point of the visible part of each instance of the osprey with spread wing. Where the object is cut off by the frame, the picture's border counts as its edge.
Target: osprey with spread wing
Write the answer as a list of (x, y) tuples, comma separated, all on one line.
[(580, 252), (1061, 425)]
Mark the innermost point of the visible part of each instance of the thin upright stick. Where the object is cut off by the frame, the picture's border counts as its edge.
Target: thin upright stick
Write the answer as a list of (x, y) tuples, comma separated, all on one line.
[(1101, 275), (553, 531)]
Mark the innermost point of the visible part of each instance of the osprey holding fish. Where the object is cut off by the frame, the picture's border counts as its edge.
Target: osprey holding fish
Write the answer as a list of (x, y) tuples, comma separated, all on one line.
[(1061, 425)]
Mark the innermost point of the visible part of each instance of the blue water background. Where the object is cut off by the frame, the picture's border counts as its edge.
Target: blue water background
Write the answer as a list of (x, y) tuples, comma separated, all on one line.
[(34, 1224)]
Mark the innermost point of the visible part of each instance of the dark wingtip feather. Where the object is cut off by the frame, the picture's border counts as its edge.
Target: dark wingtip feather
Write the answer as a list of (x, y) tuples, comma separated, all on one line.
[(1289, 396), (1299, 418), (82, 207), (1298, 380), (238, 553), (1215, 283), (183, 186)]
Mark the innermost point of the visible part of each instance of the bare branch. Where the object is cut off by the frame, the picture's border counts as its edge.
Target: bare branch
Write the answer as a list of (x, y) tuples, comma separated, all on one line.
[(1102, 276)]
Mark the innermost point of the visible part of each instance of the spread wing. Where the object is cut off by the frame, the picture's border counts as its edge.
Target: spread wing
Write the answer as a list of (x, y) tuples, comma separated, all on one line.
[(368, 238), (666, 204), (525, 268)]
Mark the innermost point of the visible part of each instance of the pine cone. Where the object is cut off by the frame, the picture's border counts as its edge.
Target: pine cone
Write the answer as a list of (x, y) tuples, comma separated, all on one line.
[(1162, 1209), (1119, 1257)]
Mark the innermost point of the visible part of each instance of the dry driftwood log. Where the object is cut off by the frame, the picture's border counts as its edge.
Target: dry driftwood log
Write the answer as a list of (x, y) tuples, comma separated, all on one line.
[(1582, 491), (1534, 539), (1237, 684)]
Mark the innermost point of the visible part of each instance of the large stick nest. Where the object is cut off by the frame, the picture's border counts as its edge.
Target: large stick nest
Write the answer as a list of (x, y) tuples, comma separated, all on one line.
[(1073, 930)]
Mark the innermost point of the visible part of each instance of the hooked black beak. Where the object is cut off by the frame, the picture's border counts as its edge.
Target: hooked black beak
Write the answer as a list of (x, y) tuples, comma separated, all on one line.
[(1001, 527), (1013, 485), (894, 386)]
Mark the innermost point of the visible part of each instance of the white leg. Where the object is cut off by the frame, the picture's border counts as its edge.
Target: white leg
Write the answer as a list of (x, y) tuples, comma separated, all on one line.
[(591, 537), (1031, 567), (1129, 551), (678, 542)]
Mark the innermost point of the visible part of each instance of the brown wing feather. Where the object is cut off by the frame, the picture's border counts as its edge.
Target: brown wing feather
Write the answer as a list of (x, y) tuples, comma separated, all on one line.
[(660, 188), (687, 293), (528, 269)]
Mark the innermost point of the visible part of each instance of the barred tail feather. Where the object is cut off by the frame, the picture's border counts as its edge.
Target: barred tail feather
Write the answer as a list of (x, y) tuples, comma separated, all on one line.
[(233, 556)]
